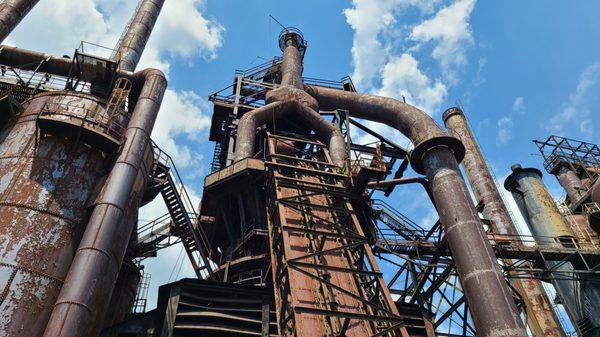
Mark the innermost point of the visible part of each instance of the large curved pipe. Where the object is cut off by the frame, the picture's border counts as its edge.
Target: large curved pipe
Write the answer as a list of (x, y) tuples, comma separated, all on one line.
[(327, 132), (490, 301), (11, 13), (83, 299), (131, 45), (246, 130)]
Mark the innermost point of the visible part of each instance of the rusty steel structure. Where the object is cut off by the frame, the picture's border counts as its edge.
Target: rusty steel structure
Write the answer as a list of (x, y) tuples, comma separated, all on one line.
[(75, 139), (291, 237)]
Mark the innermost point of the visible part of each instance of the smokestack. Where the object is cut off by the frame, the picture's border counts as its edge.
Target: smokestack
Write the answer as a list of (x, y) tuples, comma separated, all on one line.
[(580, 298), (11, 13), (541, 319), (131, 45)]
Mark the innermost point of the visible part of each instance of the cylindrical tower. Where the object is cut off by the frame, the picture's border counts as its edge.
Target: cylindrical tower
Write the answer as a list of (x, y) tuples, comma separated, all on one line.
[(541, 319), (131, 45), (550, 228), (47, 183)]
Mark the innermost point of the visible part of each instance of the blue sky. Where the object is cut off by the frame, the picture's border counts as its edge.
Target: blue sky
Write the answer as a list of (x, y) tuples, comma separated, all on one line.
[(521, 70)]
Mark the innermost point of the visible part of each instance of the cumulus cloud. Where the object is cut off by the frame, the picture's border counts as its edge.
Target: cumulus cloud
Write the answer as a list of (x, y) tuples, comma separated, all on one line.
[(450, 31), (386, 46), (58, 26), (182, 114), (576, 113), (371, 20), (402, 78), (505, 126)]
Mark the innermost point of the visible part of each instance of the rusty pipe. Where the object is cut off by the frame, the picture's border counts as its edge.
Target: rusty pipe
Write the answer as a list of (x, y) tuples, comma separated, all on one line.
[(291, 66), (437, 155), (327, 132), (246, 131), (550, 228), (91, 278), (246, 134), (569, 180), (541, 319), (130, 47), (59, 66), (11, 13)]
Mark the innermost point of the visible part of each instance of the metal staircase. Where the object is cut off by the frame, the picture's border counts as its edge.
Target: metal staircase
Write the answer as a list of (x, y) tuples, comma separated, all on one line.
[(397, 222), (182, 211)]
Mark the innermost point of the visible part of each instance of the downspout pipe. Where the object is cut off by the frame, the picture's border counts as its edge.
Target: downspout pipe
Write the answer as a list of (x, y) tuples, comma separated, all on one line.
[(11, 13), (437, 155), (540, 317), (83, 299), (131, 45)]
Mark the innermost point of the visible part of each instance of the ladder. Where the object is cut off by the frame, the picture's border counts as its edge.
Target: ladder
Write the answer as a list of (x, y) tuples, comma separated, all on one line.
[(176, 198)]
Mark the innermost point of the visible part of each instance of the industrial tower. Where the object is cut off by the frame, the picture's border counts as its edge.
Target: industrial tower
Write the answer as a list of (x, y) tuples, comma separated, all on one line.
[(293, 225)]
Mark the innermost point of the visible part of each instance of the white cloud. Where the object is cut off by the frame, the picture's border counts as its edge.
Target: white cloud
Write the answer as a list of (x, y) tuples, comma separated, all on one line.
[(578, 109), (183, 113), (450, 31), (518, 104), (58, 26), (386, 64), (401, 77), (371, 20), (505, 126)]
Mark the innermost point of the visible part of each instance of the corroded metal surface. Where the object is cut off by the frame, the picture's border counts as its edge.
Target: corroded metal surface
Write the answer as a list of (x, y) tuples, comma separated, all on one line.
[(131, 45), (569, 180), (547, 223), (11, 13), (436, 154), (537, 205), (45, 185), (540, 316), (490, 301), (327, 280), (83, 301)]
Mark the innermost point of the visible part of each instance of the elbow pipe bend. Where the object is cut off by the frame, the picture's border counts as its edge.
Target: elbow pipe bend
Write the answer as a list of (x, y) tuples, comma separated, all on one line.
[(246, 131), (329, 133), (416, 125)]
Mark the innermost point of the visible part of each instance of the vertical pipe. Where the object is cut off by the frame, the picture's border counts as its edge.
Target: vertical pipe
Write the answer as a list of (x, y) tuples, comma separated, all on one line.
[(569, 180), (550, 228), (135, 36), (292, 60), (83, 299), (490, 301), (541, 319), (11, 13)]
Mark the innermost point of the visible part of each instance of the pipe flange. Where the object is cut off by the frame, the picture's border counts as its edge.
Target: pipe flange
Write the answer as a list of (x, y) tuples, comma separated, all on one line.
[(418, 153)]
